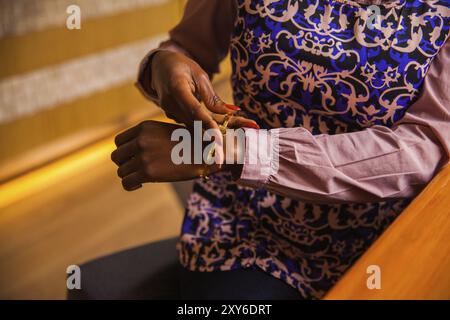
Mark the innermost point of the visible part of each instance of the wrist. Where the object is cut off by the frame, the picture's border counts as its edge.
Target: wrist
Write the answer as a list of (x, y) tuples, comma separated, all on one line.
[(234, 151), (155, 67), (232, 159)]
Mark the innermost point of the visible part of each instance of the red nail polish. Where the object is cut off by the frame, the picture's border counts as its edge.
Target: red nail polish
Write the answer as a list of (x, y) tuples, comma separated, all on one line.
[(252, 125), (232, 107)]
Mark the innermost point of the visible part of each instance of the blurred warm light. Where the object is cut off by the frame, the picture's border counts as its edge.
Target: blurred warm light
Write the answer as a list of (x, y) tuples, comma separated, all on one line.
[(30, 183), (75, 163)]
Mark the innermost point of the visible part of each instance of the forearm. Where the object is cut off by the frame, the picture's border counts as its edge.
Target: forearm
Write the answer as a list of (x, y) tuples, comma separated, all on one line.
[(372, 165)]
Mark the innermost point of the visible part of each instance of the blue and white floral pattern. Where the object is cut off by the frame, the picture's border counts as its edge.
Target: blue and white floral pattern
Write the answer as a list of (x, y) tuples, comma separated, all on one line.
[(315, 64)]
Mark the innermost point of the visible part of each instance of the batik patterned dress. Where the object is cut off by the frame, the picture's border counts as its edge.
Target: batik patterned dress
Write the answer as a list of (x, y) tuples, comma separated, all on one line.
[(331, 67)]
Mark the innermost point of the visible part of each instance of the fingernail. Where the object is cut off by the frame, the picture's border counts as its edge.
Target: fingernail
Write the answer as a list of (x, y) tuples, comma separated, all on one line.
[(232, 107), (252, 125)]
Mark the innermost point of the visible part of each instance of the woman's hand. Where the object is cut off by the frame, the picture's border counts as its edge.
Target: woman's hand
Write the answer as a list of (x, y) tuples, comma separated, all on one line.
[(144, 154), (181, 85)]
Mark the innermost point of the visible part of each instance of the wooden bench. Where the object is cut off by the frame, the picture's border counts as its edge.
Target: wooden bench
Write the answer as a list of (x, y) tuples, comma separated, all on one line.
[(413, 253)]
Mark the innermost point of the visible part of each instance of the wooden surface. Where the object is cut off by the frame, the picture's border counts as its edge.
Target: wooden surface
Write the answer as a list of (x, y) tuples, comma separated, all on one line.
[(413, 254)]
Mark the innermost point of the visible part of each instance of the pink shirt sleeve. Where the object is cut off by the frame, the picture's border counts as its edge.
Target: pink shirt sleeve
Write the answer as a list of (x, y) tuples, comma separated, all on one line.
[(375, 164)]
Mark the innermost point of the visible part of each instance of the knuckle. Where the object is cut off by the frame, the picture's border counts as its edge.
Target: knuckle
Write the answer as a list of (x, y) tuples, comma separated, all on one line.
[(175, 83), (177, 91), (210, 100), (116, 140), (149, 172), (196, 109), (217, 100), (125, 184), (114, 156), (145, 158), (142, 142), (203, 76)]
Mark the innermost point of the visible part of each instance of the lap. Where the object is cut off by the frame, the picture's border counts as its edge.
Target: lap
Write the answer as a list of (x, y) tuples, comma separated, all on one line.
[(241, 284)]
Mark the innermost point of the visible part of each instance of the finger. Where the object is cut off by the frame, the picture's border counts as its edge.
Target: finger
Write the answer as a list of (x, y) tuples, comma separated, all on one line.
[(171, 108), (127, 135), (188, 102), (132, 181), (211, 99), (172, 116), (236, 122), (125, 152), (174, 112), (128, 168), (241, 122)]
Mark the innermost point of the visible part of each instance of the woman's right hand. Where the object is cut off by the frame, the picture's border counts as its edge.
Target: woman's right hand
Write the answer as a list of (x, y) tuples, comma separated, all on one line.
[(181, 85)]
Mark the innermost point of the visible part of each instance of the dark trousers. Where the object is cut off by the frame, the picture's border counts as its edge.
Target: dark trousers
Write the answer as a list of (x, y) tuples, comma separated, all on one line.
[(241, 284), (152, 271)]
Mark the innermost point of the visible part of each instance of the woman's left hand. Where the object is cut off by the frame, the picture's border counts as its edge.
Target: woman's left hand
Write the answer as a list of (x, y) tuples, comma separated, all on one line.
[(144, 152)]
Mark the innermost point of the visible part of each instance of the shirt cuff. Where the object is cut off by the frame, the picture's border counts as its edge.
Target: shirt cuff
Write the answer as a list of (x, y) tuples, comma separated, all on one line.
[(260, 158)]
